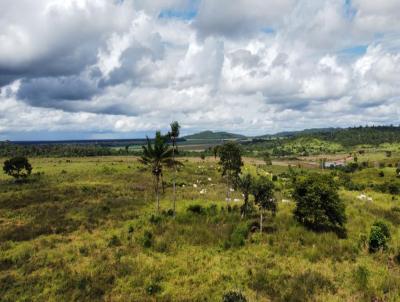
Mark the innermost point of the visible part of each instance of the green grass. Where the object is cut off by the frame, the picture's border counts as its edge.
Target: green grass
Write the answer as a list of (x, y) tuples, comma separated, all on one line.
[(85, 229)]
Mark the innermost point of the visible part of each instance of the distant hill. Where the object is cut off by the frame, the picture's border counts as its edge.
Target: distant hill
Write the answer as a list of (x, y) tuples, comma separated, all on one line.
[(214, 135), (300, 132), (373, 135)]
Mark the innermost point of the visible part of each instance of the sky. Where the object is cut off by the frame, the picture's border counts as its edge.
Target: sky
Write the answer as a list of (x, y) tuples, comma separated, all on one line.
[(99, 69)]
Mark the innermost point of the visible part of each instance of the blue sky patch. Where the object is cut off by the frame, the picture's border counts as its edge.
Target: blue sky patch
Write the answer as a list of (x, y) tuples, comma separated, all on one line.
[(358, 50), (175, 14)]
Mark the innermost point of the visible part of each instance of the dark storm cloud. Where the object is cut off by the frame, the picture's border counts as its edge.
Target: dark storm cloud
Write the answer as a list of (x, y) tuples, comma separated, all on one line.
[(48, 92), (65, 62)]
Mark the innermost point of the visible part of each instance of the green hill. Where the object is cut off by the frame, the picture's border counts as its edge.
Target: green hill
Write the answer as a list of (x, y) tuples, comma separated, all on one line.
[(214, 135), (373, 135)]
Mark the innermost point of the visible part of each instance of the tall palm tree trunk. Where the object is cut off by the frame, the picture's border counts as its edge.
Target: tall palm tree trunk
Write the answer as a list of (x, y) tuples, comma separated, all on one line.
[(174, 180), (157, 189), (228, 191), (162, 183)]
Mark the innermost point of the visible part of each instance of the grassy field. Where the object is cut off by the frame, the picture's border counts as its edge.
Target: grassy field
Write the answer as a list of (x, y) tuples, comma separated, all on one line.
[(85, 229)]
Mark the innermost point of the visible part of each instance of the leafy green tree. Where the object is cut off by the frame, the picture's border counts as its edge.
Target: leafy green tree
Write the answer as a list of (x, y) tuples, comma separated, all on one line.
[(156, 157), (318, 206), (17, 167), (231, 163), (378, 237), (267, 158), (244, 183), (263, 191), (215, 151), (173, 135)]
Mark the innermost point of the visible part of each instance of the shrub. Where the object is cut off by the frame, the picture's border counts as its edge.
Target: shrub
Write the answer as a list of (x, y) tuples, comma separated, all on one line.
[(153, 288), (17, 167), (350, 168), (114, 241), (196, 209), (394, 188), (147, 240), (239, 235), (318, 206), (379, 236), (381, 174), (388, 187), (384, 227), (234, 296), (397, 257), (155, 219), (84, 251)]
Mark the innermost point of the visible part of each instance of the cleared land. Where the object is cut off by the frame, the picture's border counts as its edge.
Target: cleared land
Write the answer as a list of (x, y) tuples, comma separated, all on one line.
[(85, 229)]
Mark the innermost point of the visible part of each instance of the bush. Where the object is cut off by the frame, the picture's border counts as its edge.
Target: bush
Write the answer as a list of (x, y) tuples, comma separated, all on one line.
[(196, 209), (155, 219), (318, 206), (239, 235), (397, 257), (234, 296), (147, 240), (114, 241), (394, 188), (381, 174), (153, 288), (388, 187), (17, 167), (379, 236), (384, 227)]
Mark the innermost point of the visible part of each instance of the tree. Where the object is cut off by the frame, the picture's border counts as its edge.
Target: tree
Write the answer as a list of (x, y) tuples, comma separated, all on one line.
[(173, 135), (231, 163), (267, 158), (378, 237), (215, 150), (244, 183), (156, 157), (263, 192), (17, 167), (318, 206)]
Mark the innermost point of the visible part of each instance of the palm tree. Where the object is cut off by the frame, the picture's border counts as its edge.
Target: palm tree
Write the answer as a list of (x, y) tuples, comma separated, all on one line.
[(173, 135), (263, 192), (244, 183), (157, 157)]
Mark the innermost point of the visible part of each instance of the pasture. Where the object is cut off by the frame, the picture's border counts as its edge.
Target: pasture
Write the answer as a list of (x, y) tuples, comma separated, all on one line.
[(86, 229)]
